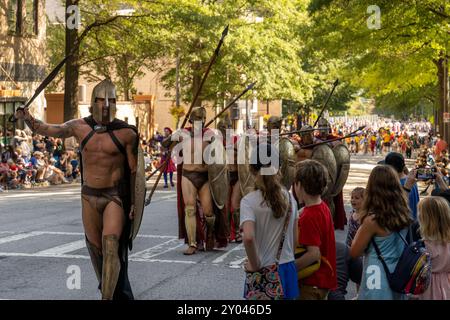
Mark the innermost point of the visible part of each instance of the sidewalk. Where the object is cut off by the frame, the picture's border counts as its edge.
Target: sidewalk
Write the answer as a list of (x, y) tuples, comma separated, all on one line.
[(150, 184)]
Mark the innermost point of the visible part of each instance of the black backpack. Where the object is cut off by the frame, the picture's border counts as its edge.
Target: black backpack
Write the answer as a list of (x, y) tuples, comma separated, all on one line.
[(412, 274)]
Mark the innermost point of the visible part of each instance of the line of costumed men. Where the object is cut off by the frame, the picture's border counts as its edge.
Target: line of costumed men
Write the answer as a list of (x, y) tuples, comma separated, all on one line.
[(209, 193)]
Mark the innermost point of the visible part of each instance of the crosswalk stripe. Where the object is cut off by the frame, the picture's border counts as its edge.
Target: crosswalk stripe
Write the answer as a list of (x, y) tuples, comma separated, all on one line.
[(153, 251), (62, 249), (222, 257), (19, 236), (77, 256), (237, 263), (164, 261), (23, 254), (63, 233)]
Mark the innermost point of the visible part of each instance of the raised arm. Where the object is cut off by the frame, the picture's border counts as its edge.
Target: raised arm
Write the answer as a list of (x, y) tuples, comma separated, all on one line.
[(64, 130)]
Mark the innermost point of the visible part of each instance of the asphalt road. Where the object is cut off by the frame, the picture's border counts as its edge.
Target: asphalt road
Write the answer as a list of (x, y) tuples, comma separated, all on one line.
[(42, 249)]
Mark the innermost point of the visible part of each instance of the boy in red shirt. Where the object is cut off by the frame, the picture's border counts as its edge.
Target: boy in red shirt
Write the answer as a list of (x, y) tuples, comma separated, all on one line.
[(316, 231)]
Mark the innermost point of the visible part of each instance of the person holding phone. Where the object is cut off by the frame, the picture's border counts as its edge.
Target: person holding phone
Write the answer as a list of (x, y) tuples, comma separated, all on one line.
[(397, 161)]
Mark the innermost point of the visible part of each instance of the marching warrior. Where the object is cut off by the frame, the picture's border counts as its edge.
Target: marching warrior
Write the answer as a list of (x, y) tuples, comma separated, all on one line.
[(340, 152), (195, 186), (326, 134), (306, 139), (334, 156), (234, 201), (108, 150)]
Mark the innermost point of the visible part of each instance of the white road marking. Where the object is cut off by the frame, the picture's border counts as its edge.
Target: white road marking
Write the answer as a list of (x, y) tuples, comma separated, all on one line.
[(164, 261), (22, 254), (77, 256), (237, 263), (156, 236), (40, 194), (82, 234), (62, 249), (19, 236), (155, 250), (222, 257)]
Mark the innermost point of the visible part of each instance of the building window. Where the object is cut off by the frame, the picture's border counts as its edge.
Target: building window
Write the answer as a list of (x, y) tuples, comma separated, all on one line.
[(13, 17), (23, 17), (30, 19)]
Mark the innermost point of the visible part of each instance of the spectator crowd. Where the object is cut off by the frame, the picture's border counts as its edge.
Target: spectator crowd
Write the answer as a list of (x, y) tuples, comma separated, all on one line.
[(29, 160)]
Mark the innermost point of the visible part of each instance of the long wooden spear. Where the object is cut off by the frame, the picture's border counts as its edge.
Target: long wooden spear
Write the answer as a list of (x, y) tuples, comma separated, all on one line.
[(42, 86), (335, 84), (249, 87), (211, 62)]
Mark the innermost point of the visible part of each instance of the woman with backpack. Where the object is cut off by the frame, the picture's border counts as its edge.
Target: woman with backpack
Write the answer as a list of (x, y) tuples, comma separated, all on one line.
[(384, 217), (434, 220)]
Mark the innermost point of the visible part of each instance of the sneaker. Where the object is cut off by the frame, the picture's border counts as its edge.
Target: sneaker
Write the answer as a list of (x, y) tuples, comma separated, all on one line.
[(165, 186)]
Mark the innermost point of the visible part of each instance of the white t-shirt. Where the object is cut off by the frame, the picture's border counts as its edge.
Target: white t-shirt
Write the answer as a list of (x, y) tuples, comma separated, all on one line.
[(268, 229)]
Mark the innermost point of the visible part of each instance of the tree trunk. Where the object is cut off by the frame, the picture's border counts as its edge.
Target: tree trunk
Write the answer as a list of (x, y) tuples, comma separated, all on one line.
[(442, 73), (197, 79), (177, 84), (126, 93), (72, 70)]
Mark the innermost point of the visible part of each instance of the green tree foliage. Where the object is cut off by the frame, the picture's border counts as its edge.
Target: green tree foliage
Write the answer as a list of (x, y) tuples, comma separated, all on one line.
[(397, 60), (261, 45)]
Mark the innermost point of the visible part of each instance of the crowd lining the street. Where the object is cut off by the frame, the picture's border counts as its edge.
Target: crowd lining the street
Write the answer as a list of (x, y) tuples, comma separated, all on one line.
[(29, 160)]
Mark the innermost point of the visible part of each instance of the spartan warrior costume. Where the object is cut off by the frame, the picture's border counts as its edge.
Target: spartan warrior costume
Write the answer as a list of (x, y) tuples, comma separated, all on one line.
[(341, 156), (286, 151), (110, 263), (191, 220), (336, 158), (231, 213)]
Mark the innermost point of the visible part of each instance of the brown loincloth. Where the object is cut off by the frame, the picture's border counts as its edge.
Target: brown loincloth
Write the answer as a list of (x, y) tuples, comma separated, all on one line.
[(198, 179), (100, 198)]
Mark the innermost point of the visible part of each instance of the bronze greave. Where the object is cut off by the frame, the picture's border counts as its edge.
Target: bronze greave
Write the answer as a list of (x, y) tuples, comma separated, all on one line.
[(111, 266)]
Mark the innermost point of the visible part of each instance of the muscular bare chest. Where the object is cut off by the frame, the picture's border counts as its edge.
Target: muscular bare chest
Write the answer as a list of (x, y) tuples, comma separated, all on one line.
[(102, 147)]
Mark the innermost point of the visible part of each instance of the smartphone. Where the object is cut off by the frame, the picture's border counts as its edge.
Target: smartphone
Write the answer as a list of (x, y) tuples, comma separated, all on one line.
[(425, 173)]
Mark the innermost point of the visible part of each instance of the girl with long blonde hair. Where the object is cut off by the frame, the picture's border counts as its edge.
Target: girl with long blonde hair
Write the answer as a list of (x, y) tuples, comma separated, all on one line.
[(434, 220)]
